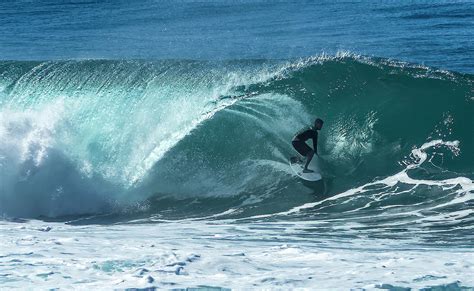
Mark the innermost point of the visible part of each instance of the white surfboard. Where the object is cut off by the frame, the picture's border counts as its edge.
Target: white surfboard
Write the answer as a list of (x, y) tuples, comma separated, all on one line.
[(298, 167)]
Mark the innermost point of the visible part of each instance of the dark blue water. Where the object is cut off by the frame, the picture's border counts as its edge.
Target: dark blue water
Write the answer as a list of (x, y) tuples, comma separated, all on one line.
[(434, 33)]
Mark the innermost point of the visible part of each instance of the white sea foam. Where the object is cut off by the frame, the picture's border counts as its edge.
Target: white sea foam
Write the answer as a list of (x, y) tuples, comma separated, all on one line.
[(466, 190), (191, 254)]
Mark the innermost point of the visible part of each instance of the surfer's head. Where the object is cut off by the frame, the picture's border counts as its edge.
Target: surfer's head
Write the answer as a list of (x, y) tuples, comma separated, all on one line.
[(318, 123)]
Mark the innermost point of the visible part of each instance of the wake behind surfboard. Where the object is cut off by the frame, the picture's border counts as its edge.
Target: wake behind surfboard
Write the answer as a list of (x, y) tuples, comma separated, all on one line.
[(298, 166)]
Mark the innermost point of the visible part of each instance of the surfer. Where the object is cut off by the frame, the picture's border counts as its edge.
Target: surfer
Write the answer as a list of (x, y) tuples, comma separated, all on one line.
[(299, 142)]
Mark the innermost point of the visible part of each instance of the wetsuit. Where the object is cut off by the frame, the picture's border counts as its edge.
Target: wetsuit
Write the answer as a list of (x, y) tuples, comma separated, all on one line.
[(299, 141)]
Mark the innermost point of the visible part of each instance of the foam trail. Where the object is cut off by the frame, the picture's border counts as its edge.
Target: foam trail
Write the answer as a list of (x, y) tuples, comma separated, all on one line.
[(466, 184)]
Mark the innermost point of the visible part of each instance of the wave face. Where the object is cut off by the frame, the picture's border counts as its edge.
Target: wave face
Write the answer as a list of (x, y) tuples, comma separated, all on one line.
[(191, 139)]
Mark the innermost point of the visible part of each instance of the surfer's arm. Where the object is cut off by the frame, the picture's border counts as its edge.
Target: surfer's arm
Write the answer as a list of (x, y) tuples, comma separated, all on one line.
[(315, 143)]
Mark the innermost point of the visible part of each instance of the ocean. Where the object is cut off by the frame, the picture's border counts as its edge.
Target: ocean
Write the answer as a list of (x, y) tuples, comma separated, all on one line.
[(144, 145)]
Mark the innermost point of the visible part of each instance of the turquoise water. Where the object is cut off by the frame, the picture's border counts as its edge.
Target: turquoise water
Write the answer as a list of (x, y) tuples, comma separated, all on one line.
[(170, 124), (125, 132)]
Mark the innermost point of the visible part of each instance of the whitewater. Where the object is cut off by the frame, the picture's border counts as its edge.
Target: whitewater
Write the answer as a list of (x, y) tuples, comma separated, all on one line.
[(145, 146)]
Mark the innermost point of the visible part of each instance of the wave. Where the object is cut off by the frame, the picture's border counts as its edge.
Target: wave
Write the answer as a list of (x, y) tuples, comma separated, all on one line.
[(183, 138)]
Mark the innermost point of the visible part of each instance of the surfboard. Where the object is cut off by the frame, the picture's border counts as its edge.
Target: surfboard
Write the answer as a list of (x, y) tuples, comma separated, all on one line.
[(298, 166)]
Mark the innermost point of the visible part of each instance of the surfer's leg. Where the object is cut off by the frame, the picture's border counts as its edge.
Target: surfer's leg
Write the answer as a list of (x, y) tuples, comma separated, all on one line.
[(309, 157), (300, 148)]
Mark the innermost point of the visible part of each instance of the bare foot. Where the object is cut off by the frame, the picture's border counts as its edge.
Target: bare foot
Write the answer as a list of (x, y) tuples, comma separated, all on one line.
[(308, 171)]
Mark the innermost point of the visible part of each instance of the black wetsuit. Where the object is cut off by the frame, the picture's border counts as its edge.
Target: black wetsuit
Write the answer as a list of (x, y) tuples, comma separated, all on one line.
[(299, 141)]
